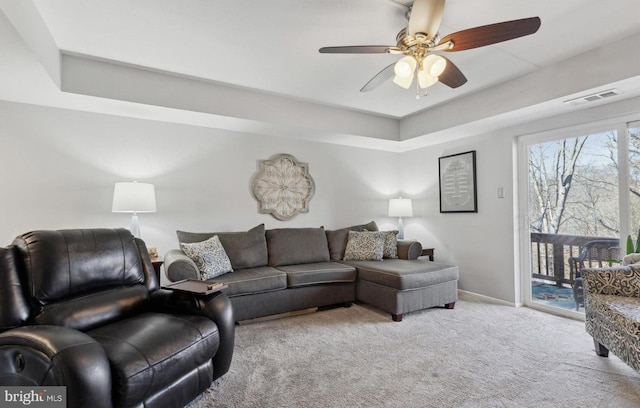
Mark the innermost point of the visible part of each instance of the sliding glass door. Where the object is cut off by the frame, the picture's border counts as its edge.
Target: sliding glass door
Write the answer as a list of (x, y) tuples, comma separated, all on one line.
[(634, 176), (579, 193)]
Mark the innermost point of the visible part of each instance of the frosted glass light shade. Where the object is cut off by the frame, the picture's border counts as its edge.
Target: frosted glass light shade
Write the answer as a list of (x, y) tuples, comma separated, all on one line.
[(404, 67), (403, 82), (435, 65), (133, 197), (400, 207), (425, 80)]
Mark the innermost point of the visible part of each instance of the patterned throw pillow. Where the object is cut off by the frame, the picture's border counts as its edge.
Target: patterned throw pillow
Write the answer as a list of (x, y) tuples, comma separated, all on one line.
[(364, 246), (209, 256), (390, 244)]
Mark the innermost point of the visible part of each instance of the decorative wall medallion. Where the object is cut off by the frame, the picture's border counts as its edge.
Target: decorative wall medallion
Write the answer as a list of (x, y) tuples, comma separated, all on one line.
[(283, 187)]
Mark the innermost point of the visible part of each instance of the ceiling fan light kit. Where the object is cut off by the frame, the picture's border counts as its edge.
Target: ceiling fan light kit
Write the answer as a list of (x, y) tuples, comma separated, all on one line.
[(420, 41), (426, 69)]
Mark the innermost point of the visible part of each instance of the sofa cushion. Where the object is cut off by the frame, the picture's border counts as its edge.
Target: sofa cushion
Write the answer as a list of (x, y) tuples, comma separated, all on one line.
[(317, 273), (244, 249), (209, 256), (253, 280), (403, 274), (290, 246), (144, 362), (365, 246), (337, 239)]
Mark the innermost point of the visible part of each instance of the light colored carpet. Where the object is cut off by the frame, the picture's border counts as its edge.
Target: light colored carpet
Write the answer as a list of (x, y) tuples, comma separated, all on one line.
[(477, 355)]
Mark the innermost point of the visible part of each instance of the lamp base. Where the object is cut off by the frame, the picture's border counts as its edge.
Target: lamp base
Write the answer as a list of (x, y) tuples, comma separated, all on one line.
[(400, 228), (135, 225)]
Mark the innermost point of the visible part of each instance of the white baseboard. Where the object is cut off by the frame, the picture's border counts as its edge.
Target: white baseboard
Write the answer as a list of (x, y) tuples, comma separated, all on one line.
[(465, 295)]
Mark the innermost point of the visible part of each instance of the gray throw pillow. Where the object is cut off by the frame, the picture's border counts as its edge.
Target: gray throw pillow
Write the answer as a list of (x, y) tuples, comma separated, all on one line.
[(209, 256), (337, 239), (365, 246), (245, 249), (293, 246)]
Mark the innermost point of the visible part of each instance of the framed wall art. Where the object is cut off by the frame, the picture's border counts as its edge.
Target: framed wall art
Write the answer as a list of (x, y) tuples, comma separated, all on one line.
[(283, 187), (458, 183)]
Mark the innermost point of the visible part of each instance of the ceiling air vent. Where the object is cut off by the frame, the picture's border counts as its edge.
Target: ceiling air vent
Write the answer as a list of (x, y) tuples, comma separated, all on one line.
[(593, 97)]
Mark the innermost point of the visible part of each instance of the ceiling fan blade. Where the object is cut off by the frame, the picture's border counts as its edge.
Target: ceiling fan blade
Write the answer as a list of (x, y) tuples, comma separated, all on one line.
[(491, 34), (452, 76), (381, 77), (356, 49), (425, 17)]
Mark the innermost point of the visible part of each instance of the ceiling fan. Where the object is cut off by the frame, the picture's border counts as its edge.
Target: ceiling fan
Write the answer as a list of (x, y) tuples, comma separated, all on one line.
[(420, 44)]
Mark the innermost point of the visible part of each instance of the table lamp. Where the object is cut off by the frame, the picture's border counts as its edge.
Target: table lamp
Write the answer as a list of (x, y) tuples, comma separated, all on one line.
[(134, 197)]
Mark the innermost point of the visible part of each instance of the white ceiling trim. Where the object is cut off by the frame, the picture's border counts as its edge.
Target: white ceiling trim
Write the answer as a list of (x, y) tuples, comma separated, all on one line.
[(113, 87)]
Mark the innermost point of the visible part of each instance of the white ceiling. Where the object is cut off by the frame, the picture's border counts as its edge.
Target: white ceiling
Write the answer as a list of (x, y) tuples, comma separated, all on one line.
[(271, 47)]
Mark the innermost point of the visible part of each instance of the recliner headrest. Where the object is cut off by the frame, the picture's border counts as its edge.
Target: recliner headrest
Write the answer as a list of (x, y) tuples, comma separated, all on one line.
[(67, 263)]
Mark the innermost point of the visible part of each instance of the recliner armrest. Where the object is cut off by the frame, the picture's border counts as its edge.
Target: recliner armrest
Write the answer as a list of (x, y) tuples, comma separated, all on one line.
[(216, 306), (179, 266), (55, 355)]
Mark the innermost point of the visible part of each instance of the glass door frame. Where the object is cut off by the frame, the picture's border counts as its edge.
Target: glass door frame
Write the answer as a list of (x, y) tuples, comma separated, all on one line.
[(620, 125)]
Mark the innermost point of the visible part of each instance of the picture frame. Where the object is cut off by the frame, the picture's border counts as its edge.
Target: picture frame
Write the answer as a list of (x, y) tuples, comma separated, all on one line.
[(458, 185)]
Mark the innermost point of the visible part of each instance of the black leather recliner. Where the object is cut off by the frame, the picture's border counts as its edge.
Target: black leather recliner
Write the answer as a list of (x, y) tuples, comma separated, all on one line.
[(83, 309)]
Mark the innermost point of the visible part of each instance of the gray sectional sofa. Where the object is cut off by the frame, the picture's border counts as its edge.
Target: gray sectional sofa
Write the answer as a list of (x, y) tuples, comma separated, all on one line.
[(287, 269)]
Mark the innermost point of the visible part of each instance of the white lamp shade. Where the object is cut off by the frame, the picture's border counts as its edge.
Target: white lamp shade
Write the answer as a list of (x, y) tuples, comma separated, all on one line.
[(133, 197), (400, 207)]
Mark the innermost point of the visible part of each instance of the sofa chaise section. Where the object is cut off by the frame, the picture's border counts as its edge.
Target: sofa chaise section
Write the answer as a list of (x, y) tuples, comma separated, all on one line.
[(400, 286)]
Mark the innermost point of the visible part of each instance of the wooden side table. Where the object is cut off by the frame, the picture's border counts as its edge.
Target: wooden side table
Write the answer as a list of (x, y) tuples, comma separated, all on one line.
[(157, 262), (428, 252)]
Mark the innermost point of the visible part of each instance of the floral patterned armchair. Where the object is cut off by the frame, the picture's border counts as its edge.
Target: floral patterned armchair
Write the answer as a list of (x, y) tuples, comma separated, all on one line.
[(612, 309)]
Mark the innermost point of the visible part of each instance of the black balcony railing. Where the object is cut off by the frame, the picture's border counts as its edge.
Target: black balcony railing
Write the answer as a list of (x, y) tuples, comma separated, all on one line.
[(551, 256)]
